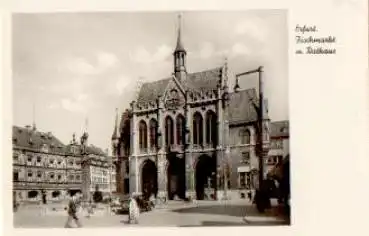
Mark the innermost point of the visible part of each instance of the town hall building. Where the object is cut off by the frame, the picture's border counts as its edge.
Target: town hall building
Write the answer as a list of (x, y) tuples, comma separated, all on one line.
[(189, 135)]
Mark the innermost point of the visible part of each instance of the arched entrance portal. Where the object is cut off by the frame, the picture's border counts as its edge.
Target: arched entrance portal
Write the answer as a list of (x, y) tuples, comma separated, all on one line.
[(205, 177), (149, 179), (176, 176)]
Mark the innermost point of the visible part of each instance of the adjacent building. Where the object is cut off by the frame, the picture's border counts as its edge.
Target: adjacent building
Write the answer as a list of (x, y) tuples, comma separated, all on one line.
[(45, 168), (189, 135), (279, 144)]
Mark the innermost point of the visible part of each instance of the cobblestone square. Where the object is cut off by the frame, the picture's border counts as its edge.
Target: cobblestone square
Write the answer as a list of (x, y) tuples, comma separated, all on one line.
[(173, 214)]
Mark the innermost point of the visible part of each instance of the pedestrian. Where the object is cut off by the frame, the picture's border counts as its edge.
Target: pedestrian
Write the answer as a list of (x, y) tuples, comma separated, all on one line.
[(134, 211), (73, 207), (249, 195), (152, 200), (89, 209)]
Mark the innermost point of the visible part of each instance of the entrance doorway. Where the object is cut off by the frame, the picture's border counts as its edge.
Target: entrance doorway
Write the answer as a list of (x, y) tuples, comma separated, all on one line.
[(176, 176), (205, 177), (149, 179)]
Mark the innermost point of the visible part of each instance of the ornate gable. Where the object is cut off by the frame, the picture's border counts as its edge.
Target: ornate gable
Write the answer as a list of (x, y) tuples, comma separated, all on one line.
[(174, 98)]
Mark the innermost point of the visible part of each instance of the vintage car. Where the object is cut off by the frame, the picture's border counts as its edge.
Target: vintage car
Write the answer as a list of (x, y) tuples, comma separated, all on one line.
[(121, 205)]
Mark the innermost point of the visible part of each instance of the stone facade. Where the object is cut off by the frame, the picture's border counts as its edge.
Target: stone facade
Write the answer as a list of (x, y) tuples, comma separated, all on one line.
[(45, 168), (188, 134)]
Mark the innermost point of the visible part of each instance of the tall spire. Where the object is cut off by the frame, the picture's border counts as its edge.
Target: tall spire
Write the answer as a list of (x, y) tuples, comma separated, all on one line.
[(179, 55), (115, 132), (179, 47), (33, 117)]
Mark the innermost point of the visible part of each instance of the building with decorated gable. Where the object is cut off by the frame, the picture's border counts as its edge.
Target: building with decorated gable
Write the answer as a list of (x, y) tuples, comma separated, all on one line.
[(44, 167), (189, 135), (39, 165)]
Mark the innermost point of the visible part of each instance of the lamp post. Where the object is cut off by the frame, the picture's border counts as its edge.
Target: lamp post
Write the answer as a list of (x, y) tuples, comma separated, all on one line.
[(260, 195)]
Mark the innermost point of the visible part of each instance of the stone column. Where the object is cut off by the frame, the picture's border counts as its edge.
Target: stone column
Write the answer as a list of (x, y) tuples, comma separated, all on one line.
[(161, 157), (133, 180), (132, 175), (162, 176)]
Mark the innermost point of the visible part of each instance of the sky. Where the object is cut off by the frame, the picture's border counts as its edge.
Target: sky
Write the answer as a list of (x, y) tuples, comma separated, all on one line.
[(72, 70)]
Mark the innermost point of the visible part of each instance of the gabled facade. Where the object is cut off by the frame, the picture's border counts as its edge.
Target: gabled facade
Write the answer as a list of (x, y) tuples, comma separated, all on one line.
[(189, 135), (44, 167)]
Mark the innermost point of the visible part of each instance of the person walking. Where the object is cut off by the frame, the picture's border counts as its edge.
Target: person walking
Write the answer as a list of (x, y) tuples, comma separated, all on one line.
[(134, 211), (89, 209), (73, 207)]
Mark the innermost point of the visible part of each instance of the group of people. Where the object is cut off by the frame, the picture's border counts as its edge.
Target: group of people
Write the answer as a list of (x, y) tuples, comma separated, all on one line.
[(75, 206)]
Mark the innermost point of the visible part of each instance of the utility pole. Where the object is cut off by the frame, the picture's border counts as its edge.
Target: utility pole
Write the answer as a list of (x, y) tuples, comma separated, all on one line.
[(260, 195)]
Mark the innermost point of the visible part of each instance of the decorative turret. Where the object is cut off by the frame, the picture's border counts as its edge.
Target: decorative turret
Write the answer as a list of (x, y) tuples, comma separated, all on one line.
[(115, 132), (179, 56)]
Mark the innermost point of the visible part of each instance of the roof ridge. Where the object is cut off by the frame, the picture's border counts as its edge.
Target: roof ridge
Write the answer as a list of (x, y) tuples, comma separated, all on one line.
[(207, 70)]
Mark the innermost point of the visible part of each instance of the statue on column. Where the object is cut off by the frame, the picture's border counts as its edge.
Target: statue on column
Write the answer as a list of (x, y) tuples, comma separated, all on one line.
[(85, 168)]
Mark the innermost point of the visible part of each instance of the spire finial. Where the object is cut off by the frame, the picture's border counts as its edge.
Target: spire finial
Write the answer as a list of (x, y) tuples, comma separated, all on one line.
[(179, 46), (33, 117), (115, 132)]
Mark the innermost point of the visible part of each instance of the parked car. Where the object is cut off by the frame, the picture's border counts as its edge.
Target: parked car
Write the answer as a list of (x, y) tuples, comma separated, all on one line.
[(121, 206)]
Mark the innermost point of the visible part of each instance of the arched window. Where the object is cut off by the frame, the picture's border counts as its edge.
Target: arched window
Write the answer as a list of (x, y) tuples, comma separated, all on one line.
[(211, 128), (180, 125), (245, 136), (153, 133), (143, 134), (169, 131), (197, 129)]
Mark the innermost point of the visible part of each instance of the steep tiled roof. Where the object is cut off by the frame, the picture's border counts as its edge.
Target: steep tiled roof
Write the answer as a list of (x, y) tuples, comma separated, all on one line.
[(91, 149), (151, 91), (34, 139), (280, 128), (208, 79), (240, 106), (195, 81)]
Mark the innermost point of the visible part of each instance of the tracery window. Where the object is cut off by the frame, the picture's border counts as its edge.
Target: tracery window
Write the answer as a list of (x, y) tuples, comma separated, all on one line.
[(245, 136), (211, 127), (180, 125), (153, 133), (142, 135), (197, 129), (169, 132)]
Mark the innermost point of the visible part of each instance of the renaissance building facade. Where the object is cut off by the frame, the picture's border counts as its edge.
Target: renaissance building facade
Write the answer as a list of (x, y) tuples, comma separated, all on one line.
[(45, 169), (189, 135)]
